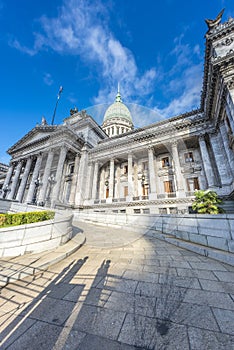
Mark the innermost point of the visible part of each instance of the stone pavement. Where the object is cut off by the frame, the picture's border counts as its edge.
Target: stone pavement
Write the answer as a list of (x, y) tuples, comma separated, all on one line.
[(145, 294)]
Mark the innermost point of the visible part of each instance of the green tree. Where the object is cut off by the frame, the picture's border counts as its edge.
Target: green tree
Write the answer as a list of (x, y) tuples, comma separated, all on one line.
[(206, 202)]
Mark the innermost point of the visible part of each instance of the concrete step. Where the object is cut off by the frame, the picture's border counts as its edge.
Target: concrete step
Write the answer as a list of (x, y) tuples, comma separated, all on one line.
[(17, 268)]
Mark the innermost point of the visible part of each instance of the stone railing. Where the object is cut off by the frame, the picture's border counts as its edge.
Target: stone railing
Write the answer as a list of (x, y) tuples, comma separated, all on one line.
[(36, 237)]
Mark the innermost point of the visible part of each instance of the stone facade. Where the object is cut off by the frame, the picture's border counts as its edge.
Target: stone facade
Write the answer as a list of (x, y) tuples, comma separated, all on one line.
[(154, 169)]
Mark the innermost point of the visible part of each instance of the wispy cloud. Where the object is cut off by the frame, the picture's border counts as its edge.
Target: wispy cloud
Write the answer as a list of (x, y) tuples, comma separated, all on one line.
[(47, 78), (81, 29)]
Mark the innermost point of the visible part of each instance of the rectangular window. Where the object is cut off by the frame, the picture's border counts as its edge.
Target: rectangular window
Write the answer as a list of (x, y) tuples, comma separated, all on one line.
[(144, 165), (188, 157), (193, 184), (168, 188), (72, 169), (125, 169), (117, 130), (162, 210), (125, 191), (165, 162)]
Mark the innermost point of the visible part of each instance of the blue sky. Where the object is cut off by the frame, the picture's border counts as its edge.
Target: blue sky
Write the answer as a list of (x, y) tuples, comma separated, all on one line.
[(155, 49)]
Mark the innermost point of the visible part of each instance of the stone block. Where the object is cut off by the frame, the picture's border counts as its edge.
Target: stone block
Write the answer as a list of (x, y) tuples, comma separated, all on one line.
[(14, 251), (231, 246), (216, 242), (199, 239), (187, 224), (182, 235), (214, 226), (42, 246)]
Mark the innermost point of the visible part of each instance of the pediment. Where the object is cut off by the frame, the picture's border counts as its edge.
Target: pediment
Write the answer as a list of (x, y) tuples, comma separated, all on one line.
[(34, 136)]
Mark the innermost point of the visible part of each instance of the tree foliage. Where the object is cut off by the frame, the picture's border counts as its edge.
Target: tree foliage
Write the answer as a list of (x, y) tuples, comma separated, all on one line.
[(207, 202)]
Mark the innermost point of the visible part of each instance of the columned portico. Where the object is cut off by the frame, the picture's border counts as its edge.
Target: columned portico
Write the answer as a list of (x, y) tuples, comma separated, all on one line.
[(229, 152), (42, 194), (15, 180), (24, 180), (34, 179), (211, 181), (7, 181), (59, 174)]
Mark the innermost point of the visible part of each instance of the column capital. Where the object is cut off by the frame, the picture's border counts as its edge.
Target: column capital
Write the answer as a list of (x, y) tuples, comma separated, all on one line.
[(201, 137)]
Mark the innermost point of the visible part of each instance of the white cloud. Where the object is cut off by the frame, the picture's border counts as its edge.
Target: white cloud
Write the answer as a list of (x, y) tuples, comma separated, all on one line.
[(81, 29), (48, 80)]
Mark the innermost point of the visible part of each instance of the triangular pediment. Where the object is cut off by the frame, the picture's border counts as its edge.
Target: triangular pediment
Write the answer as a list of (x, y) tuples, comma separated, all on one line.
[(34, 136)]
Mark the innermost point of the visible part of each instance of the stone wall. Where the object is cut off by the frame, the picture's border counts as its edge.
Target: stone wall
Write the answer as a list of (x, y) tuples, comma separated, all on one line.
[(36, 237), (214, 231)]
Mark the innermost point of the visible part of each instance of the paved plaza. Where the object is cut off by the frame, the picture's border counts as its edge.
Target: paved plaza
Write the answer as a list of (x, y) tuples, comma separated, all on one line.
[(121, 291)]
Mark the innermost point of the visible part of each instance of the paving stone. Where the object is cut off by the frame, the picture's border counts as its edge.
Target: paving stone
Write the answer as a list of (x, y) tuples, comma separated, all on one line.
[(215, 299), (118, 284), (225, 319), (46, 336), (201, 339), (209, 275), (152, 333), (99, 321), (225, 276), (213, 266), (98, 343), (217, 286)]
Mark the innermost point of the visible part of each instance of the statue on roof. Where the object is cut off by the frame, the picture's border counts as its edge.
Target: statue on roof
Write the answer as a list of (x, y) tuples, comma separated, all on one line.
[(212, 23), (73, 110), (43, 121)]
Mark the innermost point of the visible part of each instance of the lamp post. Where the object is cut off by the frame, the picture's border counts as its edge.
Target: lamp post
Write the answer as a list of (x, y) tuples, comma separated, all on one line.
[(37, 184), (58, 98), (5, 190)]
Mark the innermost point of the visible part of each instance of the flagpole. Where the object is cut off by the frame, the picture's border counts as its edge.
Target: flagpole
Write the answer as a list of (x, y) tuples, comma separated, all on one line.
[(55, 109)]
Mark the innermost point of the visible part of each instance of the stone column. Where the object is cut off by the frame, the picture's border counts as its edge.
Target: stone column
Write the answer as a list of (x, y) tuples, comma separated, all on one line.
[(34, 178), (24, 179), (111, 181), (42, 194), (209, 173), (228, 151), (95, 178), (15, 180), (7, 180), (221, 159), (152, 177), (59, 174), (82, 176), (177, 170), (130, 175), (74, 179)]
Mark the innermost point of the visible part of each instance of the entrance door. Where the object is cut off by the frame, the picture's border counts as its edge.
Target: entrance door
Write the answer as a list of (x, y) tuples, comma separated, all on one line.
[(107, 192)]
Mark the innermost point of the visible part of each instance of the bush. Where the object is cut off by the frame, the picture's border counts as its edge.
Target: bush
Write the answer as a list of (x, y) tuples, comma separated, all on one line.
[(206, 202), (25, 218)]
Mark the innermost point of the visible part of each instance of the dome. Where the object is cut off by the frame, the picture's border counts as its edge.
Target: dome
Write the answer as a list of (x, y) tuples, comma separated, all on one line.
[(118, 110)]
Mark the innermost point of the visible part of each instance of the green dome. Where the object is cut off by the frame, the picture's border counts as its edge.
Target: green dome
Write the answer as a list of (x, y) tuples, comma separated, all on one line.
[(118, 110)]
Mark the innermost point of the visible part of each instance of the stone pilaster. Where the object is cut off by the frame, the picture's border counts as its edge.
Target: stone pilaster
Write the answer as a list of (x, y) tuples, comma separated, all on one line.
[(229, 152), (177, 170), (95, 178), (130, 175), (47, 170), (24, 179), (15, 180), (82, 177), (59, 175), (34, 178), (7, 180), (111, 181), (207, 166), (74, 179), (221, 159), (152, 177), (88, 192)]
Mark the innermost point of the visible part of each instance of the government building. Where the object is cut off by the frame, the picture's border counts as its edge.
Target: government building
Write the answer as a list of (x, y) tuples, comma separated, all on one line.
[(117, 168)]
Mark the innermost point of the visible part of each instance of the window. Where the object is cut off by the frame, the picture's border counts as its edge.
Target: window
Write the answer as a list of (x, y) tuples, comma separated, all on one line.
[(125, 191), (173, 210), (108, 131), (162, 210), (125, 169), (117, 130), (122, 130), (112, 130), (144, 165), (193, 184), (168, 188), (188, 157), (165, 162), (71, 169)]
